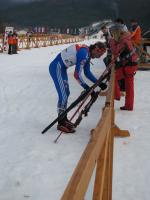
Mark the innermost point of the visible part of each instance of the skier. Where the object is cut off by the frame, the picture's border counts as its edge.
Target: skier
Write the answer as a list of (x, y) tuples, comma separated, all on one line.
[(78, 55), (125, 59)]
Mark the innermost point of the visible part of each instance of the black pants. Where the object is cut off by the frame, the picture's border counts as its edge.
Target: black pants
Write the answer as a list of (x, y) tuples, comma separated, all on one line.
[(14, 48), (122, 85), (10, 49)]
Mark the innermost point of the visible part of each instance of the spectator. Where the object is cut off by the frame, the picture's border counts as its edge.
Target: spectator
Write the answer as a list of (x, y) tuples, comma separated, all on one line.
[(125, 29), (125, 60), (136, 37), (136, 32), (15, 42), (121, 21), (107, 36), (10, 43)]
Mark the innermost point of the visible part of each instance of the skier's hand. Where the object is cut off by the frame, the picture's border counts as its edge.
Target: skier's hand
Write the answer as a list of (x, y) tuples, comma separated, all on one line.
[(103, 86), (93, 94), (84, 91)]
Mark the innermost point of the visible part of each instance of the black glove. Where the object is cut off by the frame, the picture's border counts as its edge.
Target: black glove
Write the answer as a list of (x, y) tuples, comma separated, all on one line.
[(85, 90), (103, 86), (93, 94)]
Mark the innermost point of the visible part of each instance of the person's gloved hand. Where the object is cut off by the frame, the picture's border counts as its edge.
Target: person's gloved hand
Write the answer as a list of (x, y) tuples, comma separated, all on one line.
[(103, 86), (93, 94), (85, 90)]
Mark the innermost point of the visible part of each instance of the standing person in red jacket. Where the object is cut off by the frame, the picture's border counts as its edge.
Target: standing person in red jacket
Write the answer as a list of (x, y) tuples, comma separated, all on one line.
[(10, 43), (125, 60), (136, 33), (136, 37)]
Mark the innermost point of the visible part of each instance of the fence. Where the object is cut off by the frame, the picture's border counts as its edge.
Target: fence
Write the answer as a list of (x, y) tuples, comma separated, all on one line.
[(98, 153), (36, 41)]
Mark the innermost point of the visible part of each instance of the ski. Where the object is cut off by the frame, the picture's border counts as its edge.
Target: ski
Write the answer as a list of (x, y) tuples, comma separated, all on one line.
[(80, 98)]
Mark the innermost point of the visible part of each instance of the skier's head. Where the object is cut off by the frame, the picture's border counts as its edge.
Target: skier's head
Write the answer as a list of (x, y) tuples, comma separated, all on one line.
[(97, 50), (116, 31)]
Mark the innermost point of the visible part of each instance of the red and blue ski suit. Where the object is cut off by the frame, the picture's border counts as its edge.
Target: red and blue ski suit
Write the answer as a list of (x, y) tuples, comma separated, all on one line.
[(126, 65), (77, 55)]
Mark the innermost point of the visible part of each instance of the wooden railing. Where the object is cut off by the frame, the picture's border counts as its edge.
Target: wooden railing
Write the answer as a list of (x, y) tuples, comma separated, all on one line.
[(45, 40), (36, 41), (98, 153)]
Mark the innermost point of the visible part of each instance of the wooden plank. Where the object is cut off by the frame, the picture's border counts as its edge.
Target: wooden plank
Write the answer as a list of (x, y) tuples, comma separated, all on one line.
[(145, 65), (146, 41), (107, 193), (79, 181), (110, 164), (120, 133), (101, 171), (110, 93)]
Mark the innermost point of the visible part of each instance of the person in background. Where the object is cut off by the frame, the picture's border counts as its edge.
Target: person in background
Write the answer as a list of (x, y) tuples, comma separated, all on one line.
[(107, 36), (78, 55), (10, 43), (125, 59), (121, 21), (136, 36), (15, 42), (125, 29)]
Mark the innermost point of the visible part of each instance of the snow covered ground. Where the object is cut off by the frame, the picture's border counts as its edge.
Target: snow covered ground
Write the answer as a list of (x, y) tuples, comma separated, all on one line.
[(32, 166)]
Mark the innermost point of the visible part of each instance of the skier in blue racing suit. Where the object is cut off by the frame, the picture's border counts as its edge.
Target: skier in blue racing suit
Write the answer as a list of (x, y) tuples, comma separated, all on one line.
[(78, 55)]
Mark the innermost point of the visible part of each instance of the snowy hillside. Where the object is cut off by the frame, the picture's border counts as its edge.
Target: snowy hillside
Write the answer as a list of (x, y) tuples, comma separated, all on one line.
[(32, 166)]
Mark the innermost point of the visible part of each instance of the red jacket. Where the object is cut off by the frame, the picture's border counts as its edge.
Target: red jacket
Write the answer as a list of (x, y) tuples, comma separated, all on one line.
[(10, 39), (136, 36), (15, 39), (117, 48)]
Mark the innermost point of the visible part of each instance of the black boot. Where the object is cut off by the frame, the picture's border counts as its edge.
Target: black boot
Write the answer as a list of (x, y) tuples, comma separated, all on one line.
[(65, 126), (69, 122)]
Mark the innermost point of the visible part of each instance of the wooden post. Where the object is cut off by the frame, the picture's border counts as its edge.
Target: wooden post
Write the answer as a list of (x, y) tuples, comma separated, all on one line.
[(120, 133)]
